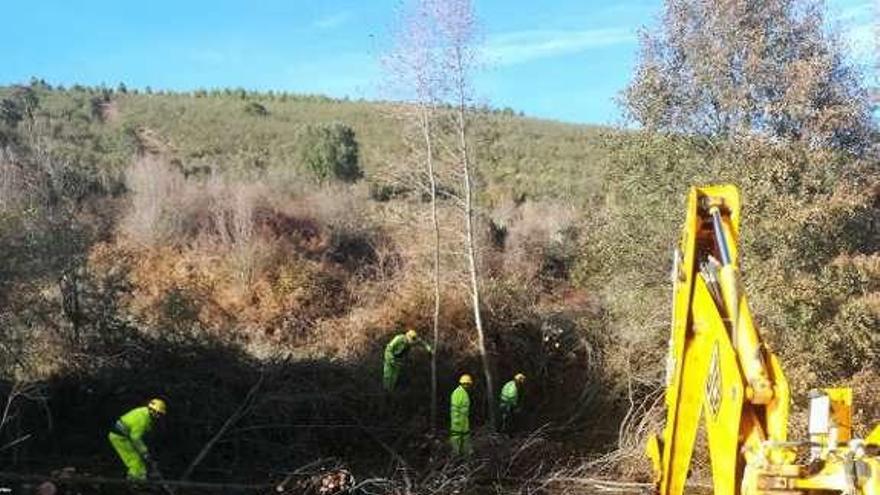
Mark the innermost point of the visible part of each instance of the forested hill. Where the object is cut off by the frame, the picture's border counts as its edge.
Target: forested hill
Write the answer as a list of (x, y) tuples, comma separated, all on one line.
[(249, 133)]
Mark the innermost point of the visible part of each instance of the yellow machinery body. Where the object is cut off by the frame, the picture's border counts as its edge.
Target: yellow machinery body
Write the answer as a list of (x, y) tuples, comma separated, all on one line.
[(719, 369)]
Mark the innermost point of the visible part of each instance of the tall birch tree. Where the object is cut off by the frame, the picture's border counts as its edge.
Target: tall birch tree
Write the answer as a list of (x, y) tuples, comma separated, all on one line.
[(457, 28), (414, 70)]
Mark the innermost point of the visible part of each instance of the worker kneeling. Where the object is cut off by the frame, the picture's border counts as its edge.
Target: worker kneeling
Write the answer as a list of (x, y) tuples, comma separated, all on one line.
[(395, 354), (126, 437), (510, 401), (459, 418)]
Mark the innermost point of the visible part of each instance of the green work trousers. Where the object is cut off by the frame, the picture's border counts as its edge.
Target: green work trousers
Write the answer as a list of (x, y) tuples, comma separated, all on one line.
[(137, 469), (506, 410), (390, 374), (461, 444)]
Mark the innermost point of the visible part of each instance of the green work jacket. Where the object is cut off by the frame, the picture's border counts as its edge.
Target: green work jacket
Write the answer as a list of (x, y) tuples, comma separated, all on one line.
[(397, 349), (459, 411), (510, 394), (134, 425)]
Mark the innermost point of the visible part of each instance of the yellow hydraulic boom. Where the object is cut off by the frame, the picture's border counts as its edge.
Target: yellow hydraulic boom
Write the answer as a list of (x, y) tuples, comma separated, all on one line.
[(719, 368)]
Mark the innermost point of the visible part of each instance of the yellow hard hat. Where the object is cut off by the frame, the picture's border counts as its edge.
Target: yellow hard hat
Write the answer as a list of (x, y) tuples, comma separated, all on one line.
[(411, 334), (158, 406), (465, 380), (519, 378)]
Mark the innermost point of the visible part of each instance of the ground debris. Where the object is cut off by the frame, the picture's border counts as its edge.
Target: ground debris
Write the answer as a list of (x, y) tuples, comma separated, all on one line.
[(317, 480)]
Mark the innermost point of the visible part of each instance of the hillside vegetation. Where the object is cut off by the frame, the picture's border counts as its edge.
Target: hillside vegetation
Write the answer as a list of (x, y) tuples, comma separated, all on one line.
[(248, 255), (220, 131), (139, 229)]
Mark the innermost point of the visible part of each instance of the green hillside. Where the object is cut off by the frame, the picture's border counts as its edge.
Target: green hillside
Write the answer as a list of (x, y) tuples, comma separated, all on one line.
[(250, 133)]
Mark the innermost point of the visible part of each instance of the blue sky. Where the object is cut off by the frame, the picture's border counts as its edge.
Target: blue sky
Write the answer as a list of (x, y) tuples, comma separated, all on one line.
[(556, 59)]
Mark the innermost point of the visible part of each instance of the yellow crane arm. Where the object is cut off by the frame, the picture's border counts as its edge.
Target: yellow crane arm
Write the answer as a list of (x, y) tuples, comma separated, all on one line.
[(718, 366), (720, 370)]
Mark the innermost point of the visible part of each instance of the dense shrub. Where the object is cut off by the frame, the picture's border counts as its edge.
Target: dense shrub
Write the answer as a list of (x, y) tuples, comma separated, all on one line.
[(330, 152), (255, 109), (803, 214), (540, 240), (156, 213)]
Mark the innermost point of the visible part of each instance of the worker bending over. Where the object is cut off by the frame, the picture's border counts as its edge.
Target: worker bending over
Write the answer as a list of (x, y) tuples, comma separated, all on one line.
[(510, 401), (459, 418), (126, 437), (395, 355)]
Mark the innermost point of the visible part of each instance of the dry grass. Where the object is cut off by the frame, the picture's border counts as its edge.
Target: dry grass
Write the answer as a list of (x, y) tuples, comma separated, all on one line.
[(537, 237), (157, 202), (11, 181), (239, 259), (329, 273)]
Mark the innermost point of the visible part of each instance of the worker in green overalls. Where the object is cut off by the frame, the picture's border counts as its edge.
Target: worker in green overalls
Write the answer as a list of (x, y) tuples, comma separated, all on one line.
[(510, 401), (395, 355), (459, 418), (126, 437)]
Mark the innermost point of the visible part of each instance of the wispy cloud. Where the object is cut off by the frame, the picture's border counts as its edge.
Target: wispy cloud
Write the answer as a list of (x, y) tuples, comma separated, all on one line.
[(333, 21), (518, 47)]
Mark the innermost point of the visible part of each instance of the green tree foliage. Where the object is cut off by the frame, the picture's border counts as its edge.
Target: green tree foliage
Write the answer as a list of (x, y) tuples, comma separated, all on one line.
[(19, 105), (759, 95), (809, 248), (256, 109), (739, 67), (330, 152), (10, 112)]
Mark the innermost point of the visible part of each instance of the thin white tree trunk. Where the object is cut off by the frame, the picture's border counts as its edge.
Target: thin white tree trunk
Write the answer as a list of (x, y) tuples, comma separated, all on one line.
[(470, 238), (429, 161)]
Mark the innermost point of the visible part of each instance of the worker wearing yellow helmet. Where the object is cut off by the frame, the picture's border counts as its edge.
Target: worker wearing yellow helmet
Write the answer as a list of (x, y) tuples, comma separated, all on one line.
[(126, 437), (511, 401), (395, 355), (459, 417)]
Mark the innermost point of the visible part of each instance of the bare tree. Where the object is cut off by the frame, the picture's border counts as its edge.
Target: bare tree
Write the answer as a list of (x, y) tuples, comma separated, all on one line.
[(457, 28), (434, 60), (413, 66), (10, 410)]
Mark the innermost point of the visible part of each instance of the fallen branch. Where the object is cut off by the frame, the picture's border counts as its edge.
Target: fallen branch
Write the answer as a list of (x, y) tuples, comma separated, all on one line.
[(165, 486), (280, 487), (15, 442), (371, 481), (239, 412), (98, 480), (599, 482), (533, 438), (393, 453), (611, 485)]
